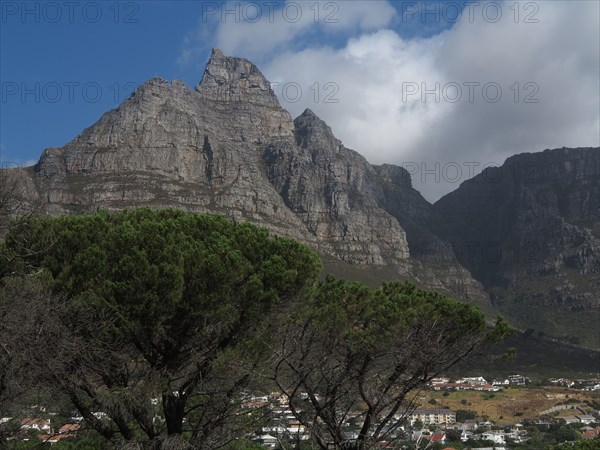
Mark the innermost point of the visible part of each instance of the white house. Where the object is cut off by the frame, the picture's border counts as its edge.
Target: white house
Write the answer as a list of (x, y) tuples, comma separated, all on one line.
[(466, 435), (519, 380), (274, 430), (267, 440), (584, 418), (472, 380), (496, 438), (433, 416), (278, 397), (296, 428)]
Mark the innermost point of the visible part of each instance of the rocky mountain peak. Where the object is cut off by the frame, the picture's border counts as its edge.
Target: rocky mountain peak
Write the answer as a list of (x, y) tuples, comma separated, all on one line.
[(157, 102), (309, 113), (393, 174), (312, 132), (229, 79)]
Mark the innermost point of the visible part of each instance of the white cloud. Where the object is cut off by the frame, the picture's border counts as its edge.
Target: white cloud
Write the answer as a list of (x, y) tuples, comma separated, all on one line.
[(558, 56), (257, 28), (369, 73)]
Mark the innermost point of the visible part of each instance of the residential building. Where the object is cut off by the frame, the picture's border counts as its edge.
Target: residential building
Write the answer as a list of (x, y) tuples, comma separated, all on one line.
[(472, 381), (438, 380), (591, 434), (433, 416), (469, 425), (584, 418), (496, 438), (518, 380), (438, 436), (562, 382), (36, 424), (69, 428), (570, 419), (466, 435), (267, 440)]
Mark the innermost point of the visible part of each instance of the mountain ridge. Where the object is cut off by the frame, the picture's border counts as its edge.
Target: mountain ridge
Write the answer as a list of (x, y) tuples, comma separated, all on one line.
[(228, 147), (540, 213)]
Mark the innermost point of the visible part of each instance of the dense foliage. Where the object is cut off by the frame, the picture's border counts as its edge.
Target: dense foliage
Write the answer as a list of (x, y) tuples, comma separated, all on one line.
[(154, 324), (161, 304), (579, 445)]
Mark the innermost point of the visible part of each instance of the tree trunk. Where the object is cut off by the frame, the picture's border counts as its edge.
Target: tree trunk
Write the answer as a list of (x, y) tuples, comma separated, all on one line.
[(364, 432), (174, 408)]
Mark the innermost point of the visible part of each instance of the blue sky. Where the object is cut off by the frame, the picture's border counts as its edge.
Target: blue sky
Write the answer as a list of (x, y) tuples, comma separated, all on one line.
[(62, 67), (113, 56)]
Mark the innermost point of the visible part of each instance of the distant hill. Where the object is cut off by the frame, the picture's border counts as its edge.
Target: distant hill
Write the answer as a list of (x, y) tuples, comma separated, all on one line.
[(529, 231)]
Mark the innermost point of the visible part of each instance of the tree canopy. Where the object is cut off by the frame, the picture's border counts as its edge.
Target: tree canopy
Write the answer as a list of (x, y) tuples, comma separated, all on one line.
[(353, 351), (152, 324), (161, 304)]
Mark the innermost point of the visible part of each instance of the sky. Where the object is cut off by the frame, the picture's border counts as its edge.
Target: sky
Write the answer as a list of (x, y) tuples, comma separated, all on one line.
[(444, 89)]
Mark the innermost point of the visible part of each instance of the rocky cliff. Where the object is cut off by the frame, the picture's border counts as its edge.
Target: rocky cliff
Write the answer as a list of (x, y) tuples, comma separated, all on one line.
[(530, 232), (228, 147)]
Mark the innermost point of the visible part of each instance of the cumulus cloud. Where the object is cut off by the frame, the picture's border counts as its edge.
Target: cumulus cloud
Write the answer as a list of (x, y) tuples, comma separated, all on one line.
[(259, 28), (526, 83), (358, 90)]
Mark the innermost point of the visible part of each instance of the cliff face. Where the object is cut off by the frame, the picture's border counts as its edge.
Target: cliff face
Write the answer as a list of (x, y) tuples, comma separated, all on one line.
[(332, 190), (228, 147), (530, 232)]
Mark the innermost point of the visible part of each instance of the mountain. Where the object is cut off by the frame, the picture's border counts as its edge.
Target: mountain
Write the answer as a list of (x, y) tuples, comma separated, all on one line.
[(228, 147), (529, 231)]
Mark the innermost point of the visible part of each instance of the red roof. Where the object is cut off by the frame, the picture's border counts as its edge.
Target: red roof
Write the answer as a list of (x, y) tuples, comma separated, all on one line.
[(591, 434), (437, 437), (69, 427)]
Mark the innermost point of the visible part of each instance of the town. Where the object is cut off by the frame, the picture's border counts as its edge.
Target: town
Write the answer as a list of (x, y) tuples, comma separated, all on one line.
[(463, 413)]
